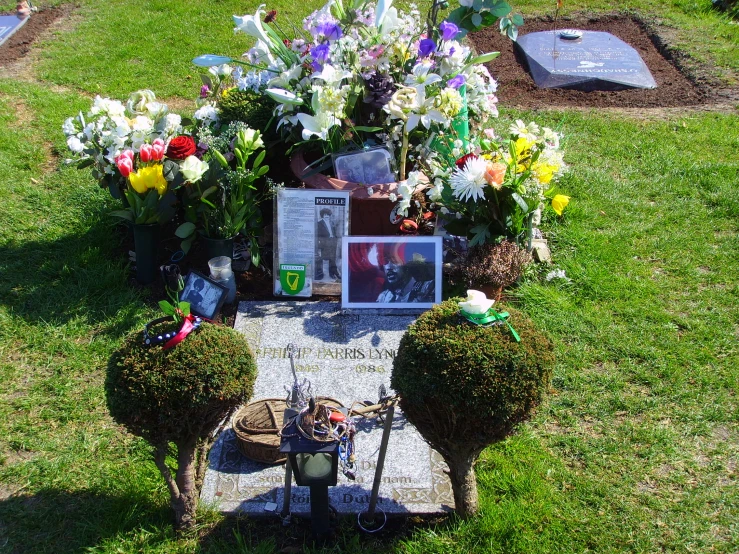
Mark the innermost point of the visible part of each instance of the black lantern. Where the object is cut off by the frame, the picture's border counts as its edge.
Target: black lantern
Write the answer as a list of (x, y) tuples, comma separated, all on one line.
[(316, 465)]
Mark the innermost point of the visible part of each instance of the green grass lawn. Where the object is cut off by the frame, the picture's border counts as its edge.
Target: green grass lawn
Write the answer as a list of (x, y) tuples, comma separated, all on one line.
[(636, 448)]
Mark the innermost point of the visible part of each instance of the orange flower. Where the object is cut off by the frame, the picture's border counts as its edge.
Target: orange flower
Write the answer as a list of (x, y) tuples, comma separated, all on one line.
[(495, 175)]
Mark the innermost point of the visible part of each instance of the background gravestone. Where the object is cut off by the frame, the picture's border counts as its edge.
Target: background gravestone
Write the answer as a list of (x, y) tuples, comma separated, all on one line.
[(347, 357), (597, 61), (9, 24)]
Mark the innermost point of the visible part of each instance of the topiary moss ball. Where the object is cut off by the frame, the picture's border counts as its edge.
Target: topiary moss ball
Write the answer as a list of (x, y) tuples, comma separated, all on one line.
[(173, 395), (465, 386), (248, 106)]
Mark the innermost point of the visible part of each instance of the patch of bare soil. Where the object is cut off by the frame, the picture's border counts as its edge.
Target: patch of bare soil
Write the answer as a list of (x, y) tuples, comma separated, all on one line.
[(677, 85)]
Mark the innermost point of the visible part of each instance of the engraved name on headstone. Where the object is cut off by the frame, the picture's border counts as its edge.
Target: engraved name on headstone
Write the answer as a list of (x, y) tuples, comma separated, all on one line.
[(596, 61), (346, 356)]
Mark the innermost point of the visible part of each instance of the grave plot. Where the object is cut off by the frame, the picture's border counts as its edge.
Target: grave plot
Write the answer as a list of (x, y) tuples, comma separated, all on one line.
[(583, 60), (347, 357), (516, 87)]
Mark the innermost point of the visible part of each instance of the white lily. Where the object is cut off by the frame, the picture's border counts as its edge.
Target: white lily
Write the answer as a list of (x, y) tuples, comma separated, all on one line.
[(476, 303), (390, 22), (331, 76), (252, 25), (285, 77), (317, 125), (382, 7), (283, 96), (426, 112), (421, 76)]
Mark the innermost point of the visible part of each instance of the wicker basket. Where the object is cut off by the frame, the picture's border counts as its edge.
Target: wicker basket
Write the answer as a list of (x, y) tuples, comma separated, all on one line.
[(257, 426)]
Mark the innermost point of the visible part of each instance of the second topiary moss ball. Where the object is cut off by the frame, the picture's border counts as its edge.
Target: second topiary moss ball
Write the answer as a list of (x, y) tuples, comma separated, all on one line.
[(466, 386)]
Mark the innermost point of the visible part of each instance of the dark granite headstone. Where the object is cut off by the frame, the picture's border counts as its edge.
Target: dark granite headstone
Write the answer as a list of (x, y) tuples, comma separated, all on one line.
[(9, 24), (597, 61)]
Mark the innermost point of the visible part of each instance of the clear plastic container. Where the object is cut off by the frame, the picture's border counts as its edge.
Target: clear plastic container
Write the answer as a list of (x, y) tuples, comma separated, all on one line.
[(221, 273), (220, 267)]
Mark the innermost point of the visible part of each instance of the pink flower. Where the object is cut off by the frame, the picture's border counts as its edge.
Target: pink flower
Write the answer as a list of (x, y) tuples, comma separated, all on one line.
[(124, 162), (157, 149), (145, 152)]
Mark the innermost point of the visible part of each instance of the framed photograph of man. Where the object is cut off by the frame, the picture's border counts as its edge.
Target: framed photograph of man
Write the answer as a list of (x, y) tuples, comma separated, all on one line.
[(391, 272), (204, 295), (310, 225), (369, 167)]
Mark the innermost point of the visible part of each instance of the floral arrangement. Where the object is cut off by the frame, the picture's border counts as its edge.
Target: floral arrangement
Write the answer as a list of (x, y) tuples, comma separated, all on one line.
[(220, 192), (367, 74), (111, 127), (496, 190)]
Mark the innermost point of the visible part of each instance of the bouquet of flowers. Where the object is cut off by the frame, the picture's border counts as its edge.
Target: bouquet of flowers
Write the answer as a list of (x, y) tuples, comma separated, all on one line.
[(221, 195), (111, 127), (497, 189), (367, 74)]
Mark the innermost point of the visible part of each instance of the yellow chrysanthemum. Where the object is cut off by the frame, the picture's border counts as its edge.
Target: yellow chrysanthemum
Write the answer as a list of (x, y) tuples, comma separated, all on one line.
[(227, 91), (523, 146), (545, 172), (559, 203), (150, 177)]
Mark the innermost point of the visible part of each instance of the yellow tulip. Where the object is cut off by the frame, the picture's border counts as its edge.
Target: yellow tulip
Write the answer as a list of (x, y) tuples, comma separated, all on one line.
[(150, 177), (559, 203)]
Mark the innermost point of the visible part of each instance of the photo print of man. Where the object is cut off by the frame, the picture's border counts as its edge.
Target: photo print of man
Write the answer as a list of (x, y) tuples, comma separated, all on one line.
[(202, 298), (392, 272), (328, 243)]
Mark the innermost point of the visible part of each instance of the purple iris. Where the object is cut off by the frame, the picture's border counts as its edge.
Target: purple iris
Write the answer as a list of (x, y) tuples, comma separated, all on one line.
[(329, 29), (456, 82), (320, 56), (204, 90), (426, 47), (448, 30)]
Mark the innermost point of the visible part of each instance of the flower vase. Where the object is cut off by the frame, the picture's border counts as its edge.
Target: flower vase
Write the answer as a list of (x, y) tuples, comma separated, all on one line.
[(461, 128), (146, 244), (218, 247), (370, 213)]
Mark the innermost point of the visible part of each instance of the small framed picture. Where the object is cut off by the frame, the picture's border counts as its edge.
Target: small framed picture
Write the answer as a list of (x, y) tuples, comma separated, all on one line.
[(369, 167), (204, 295), (391, 272)]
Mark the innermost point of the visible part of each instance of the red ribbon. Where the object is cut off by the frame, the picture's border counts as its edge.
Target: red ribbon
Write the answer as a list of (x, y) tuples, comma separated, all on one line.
[(186, 329)]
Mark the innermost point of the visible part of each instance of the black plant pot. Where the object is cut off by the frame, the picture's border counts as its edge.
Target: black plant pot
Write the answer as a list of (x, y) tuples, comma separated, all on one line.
[(218, 247), (146, 243)]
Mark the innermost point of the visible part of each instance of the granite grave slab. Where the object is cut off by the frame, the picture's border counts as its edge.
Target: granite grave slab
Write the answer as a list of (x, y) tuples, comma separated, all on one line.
[(9, 24), (595, 61), (346, 356)]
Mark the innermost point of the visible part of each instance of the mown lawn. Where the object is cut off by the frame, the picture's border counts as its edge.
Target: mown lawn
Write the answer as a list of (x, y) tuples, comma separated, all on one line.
[(636, 448)]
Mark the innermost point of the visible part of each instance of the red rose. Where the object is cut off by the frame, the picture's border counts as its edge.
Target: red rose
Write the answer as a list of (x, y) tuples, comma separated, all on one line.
[(463, 160), (181, 147)]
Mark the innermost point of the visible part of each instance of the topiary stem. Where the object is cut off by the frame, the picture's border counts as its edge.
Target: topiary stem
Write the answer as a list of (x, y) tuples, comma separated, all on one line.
[(185, 504), (464, 485)]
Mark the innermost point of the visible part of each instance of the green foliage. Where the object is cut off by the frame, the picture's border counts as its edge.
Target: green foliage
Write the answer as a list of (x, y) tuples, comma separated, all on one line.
[(480, 374), (167, 395), (245, 105)]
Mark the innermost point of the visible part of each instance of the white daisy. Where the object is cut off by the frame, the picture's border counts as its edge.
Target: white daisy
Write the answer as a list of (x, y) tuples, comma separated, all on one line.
[(469, 182)]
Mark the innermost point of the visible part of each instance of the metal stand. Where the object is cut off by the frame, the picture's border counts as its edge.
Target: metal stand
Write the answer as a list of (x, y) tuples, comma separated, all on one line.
[(319, 518), (369, 515)]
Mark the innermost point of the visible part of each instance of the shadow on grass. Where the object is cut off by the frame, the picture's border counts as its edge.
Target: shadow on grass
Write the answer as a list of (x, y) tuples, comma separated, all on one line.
[(240, 533), (64, 522), (78, 277)]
